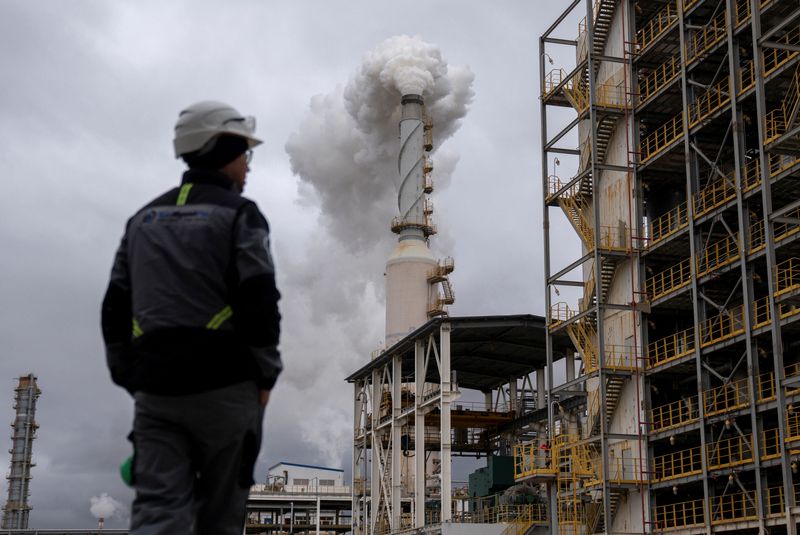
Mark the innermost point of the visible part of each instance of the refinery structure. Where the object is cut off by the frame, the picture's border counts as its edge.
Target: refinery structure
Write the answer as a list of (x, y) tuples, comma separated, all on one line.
[(670, 144), (16, 511), (659, 393)]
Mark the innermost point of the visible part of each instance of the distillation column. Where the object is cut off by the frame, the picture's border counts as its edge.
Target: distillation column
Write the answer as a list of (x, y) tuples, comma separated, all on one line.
[(17, 511)]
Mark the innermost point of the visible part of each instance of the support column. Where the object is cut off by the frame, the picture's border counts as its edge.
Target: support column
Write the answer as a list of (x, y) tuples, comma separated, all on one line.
[(318, 508), (419, 435), (541, 398), (444, 377), (396, 450), (375, 478)]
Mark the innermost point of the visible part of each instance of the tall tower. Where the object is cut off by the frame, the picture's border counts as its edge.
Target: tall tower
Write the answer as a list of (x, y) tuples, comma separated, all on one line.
[(17, 511), (412, 273)]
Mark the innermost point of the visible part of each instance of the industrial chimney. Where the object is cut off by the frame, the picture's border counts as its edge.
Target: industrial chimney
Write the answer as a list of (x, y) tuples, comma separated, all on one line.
[(17, 510), (411, 271)]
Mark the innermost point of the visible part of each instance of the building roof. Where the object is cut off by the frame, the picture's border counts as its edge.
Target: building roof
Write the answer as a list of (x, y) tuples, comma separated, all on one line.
[(305, 466), (485, 351)]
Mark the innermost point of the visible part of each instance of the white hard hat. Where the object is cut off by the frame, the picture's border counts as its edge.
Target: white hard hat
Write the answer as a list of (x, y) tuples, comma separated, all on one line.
[(201, 122)]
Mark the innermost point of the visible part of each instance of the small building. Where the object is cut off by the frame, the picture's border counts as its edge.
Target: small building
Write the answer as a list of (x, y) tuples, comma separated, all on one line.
[(304, 475), (300, 499)]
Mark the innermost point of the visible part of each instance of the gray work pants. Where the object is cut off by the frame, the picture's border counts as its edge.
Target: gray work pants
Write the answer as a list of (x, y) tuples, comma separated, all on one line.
[(193, 461)]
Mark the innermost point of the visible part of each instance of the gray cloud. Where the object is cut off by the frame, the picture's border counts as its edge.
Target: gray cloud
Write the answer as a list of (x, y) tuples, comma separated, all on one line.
[(90, 94)]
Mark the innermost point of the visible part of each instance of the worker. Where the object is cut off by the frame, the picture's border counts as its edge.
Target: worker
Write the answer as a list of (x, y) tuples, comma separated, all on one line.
[(191, 325)]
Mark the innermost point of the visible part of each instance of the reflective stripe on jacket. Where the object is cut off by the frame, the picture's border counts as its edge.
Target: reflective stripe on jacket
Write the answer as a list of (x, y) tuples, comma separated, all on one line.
[(192, 302)]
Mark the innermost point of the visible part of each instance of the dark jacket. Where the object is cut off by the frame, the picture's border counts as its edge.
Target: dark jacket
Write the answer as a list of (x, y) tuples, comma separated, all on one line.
[(192, 303)]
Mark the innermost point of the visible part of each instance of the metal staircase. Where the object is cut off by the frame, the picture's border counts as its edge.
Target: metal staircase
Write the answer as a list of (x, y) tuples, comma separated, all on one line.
[(575, 206), (614, 386), (596, 517)]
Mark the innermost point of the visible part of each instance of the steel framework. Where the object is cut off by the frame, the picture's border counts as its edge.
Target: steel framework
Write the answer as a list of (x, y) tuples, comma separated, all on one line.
[(680, 122)]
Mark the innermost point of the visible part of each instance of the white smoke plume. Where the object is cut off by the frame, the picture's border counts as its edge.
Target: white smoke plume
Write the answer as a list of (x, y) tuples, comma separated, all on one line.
[(104, 506), (345, 155)]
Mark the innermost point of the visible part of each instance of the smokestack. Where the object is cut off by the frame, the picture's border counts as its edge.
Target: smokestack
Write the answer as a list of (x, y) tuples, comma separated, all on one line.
[(411, 270), (101, 523)]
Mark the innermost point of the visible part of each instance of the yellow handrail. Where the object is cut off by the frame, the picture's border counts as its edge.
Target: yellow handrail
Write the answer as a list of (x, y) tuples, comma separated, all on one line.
[(662, 22), (669, 280), (668, 224), (680, 515), (733, 508), (730, 452), (715, 98), (677, 464), (727, 397), (661, 76), (718, 254), (703, 39), (662, 137), (723, 326), (675, 414), (671, 347)]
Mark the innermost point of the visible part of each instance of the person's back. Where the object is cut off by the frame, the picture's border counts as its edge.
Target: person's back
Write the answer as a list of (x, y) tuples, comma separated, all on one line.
[(191, 326)]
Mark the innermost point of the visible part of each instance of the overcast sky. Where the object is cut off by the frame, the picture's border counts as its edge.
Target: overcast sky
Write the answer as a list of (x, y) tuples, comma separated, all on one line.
[(88, 100)]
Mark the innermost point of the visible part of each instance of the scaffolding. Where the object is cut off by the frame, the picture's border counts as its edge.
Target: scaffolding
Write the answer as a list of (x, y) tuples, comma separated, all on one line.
[(671, 146)]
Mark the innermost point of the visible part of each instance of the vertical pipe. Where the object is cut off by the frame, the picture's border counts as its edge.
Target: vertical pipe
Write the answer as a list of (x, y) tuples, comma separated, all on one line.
[(446, 396), (357, 453)]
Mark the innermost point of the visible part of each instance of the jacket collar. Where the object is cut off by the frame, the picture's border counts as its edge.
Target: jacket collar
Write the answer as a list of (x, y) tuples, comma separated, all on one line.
[(207, 176)]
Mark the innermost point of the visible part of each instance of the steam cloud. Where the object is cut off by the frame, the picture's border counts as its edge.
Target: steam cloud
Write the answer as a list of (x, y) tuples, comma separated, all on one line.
[(104, 506), (345, 154)]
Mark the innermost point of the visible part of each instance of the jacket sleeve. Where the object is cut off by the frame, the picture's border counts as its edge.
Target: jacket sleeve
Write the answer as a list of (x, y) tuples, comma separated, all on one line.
[(117, 320), (255, 295)]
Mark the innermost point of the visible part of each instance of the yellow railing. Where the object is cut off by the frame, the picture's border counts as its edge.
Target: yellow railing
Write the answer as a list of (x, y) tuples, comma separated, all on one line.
[(718, 254), (670, 348), (668, 224), (775, 58), (717, 192), (560, 312), (621, 471), (787, 276), (730, 452), (727, 397), (792, 424), (675, 414), (669, 280), (733, 508), (778, 163), (766, 387), (552, 80), (703, 39), (770, 444), (777, 121), (661, 76), (532, 459), (783, 229), (679, 515), (662, 22), (661, 138), (775, 503), (723, 326), (714, 99), (677, 464), (742, 14), (751, 174)]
